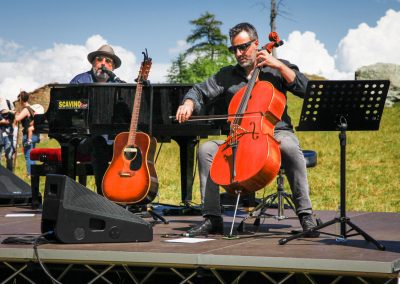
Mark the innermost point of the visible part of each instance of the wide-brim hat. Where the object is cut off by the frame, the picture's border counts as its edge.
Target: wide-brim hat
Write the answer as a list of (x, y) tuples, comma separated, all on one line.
[(105, 50)]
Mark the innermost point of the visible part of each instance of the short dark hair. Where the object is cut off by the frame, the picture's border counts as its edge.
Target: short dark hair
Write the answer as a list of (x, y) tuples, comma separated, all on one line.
[(249, 28), (23, 96)]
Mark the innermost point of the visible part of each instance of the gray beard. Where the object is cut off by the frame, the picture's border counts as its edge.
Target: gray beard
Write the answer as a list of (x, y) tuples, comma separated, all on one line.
[(246, 64), (100, 75)]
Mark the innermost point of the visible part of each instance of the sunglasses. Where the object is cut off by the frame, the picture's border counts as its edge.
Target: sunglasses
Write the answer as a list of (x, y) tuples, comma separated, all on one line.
[(241, 47), (108, 60)]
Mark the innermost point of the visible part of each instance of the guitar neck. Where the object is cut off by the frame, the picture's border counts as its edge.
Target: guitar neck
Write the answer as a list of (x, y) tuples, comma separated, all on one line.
[(135, 114), (143, 74)]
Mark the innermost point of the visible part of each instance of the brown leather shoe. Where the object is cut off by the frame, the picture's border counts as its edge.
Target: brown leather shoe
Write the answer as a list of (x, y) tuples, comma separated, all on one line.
[(210, 225)]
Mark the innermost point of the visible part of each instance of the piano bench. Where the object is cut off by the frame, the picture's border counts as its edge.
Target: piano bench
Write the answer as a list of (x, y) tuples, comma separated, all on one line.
[(52, 164)]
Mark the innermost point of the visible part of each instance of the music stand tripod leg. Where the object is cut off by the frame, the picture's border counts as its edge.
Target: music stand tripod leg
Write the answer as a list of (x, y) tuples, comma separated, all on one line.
[(365, 235), (304, 233)]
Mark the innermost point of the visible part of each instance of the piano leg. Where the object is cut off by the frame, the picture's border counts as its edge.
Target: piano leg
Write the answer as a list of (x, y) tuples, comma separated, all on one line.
[(187, 159), (69, 149), (35, 180), (68, 154)]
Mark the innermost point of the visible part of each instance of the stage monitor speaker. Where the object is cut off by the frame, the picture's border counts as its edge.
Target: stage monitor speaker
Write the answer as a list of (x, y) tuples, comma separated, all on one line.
[(13, 190), (75, 214)]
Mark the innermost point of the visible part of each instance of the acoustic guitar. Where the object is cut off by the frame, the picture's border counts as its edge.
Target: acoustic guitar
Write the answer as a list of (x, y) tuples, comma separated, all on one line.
[(131, 176)]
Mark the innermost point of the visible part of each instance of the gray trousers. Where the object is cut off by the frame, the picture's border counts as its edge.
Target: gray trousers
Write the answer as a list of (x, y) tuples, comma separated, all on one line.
[(292, 161)]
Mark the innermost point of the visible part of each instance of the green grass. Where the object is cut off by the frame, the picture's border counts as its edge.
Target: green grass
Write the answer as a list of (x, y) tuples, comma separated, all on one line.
[(372, 167)]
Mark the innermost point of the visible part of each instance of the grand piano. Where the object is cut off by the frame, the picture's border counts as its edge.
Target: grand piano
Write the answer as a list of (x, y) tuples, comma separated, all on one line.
[(79, 111)]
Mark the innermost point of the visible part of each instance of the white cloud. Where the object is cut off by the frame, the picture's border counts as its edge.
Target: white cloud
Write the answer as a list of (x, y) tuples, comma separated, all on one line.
[(181, 46), (368, 45), (307, 52), (60, 64), (360, 47), (8, 49)]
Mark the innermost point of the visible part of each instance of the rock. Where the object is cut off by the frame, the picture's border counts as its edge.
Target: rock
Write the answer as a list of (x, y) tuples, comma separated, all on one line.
[(39, 96), (383, 71)]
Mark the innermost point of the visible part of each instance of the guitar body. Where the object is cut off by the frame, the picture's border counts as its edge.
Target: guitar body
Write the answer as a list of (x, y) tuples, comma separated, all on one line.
[(131, 176)]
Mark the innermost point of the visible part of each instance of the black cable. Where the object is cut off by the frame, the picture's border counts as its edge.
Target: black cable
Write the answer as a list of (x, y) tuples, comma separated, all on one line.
[(35, 240), (35, 245), (19, 240)]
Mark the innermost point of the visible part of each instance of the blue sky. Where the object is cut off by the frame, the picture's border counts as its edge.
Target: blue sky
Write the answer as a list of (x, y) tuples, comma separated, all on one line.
[(47, 41)]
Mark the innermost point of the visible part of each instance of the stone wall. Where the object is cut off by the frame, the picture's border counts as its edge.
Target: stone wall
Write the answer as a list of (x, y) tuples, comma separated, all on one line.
[(383, 71), (39, 96)]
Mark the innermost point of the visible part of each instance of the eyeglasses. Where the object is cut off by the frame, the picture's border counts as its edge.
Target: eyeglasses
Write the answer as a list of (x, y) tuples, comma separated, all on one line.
[(241, 47), (108, 60)]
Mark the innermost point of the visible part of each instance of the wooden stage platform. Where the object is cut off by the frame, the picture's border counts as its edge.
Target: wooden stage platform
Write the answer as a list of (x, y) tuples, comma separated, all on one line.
[(255, 257)]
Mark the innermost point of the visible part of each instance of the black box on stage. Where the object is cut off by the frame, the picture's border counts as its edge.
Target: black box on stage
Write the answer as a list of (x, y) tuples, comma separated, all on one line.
[(76, 214), (13, 190)]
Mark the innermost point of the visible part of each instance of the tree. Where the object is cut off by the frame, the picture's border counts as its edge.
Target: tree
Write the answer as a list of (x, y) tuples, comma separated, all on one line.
[(207, 54), (176, 74), (207, 36)]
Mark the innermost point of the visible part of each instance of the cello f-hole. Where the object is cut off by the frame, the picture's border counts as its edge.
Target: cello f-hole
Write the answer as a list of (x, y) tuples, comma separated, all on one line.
[(253, 132)]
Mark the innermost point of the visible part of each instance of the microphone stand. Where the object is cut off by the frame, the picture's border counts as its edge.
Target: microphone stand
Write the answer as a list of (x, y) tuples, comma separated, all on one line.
[(112, 75)]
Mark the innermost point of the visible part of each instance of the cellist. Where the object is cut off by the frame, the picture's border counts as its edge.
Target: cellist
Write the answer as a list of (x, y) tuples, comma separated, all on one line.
[(284, 76)]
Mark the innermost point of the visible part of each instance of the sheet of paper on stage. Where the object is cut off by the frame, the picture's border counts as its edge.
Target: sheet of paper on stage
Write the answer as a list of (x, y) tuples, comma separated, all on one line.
[(189, 240), (20, 215)]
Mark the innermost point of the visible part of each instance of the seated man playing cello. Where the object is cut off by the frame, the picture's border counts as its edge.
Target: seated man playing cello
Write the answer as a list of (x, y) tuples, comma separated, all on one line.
[(284, 77)]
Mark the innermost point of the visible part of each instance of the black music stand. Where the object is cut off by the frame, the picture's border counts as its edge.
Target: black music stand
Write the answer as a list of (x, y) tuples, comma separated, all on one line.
[(342, 106)]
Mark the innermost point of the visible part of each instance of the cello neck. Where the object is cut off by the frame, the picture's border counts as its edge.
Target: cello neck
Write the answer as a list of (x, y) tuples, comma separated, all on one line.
[(246, 96)]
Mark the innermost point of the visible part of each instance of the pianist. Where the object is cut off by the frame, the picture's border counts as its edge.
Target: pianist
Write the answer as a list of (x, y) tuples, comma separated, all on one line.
[(99, 148), (104, 56), (225, 83)]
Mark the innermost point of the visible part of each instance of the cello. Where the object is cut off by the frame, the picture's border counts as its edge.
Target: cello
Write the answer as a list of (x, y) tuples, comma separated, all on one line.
[(131, 176), (250, 157)]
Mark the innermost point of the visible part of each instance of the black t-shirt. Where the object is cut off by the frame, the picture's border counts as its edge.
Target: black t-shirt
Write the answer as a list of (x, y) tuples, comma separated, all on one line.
[(26, 122)]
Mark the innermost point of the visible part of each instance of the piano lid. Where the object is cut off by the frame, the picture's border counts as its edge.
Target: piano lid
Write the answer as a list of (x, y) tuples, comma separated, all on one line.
[(106, 109)]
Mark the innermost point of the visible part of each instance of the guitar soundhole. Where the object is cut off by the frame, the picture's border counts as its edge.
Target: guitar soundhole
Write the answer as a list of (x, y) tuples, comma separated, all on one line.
[(133, 154)]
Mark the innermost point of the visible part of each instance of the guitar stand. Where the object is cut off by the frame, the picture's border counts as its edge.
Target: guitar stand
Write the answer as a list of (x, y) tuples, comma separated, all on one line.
[(182, 210), (143, 211), (157, 216)]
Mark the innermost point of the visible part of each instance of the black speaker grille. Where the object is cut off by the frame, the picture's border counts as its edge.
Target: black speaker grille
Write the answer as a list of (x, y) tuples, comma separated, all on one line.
[(11, 186), (79, 198)]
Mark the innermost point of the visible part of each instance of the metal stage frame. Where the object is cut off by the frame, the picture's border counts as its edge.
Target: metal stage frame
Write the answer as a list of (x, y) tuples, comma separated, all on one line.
[(255, 257)]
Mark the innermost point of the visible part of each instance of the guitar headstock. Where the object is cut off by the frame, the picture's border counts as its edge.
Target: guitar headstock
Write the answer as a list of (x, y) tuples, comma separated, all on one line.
[(144, 68)]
